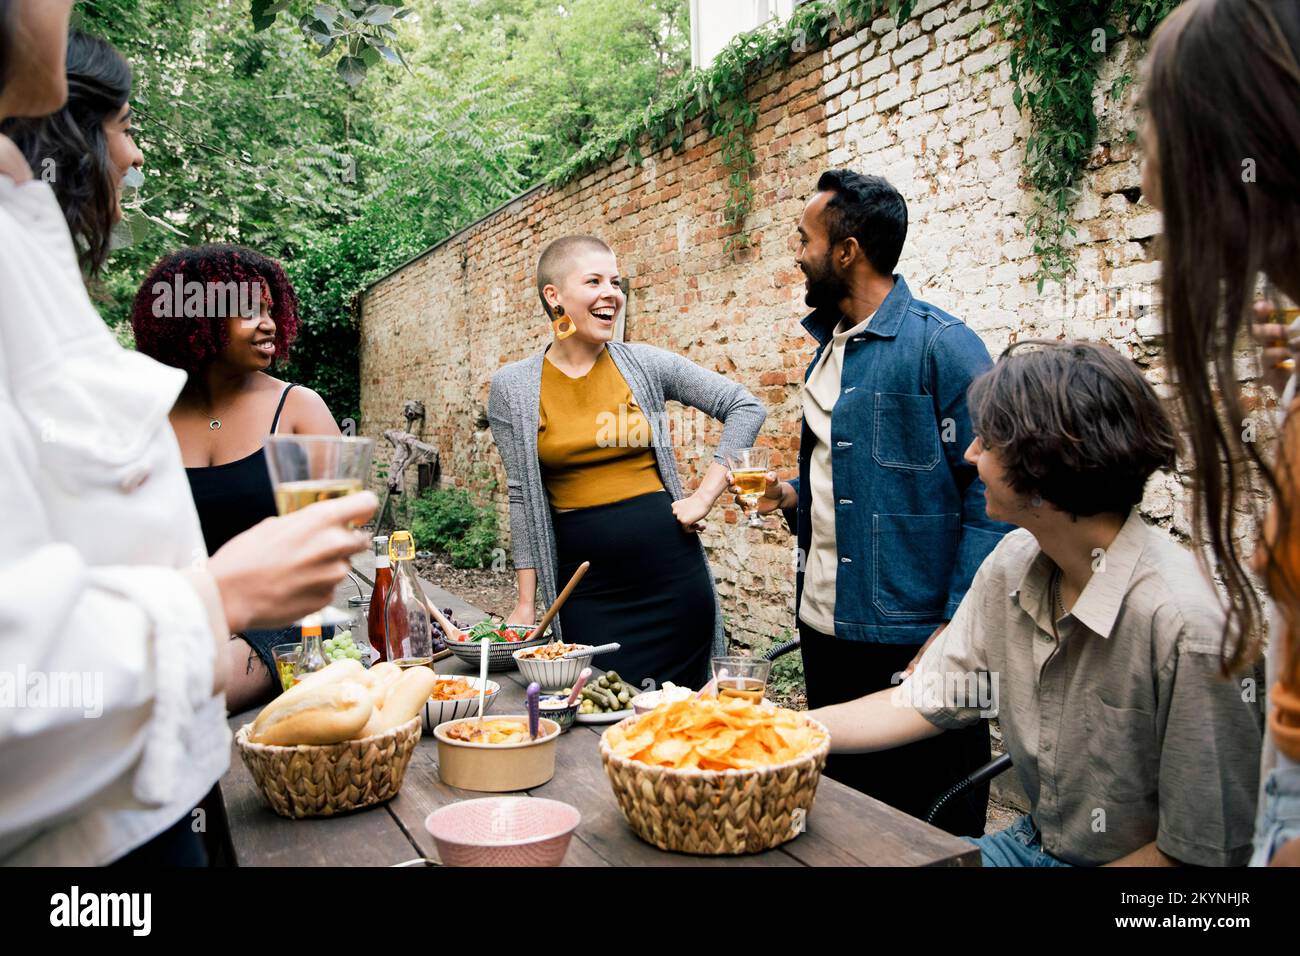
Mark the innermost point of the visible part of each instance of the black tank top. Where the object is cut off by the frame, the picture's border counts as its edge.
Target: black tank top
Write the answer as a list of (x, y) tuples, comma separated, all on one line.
[(233, 497)]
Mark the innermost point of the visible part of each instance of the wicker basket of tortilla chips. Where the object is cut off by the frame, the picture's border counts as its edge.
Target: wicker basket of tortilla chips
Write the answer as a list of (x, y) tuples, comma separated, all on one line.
[(716, 777)]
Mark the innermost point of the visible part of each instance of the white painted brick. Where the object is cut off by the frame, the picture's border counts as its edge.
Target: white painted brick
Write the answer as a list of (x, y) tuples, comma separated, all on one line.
[(936, 100), (978, 62), (858, 111), (836, 86), (962, 26), (937, 79), (891, 98), (874, 67), (918, 126), (847, 45), (1145, 226), (911, 51)]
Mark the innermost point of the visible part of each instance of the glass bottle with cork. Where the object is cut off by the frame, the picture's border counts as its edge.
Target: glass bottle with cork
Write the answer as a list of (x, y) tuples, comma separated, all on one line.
[(408, 634)]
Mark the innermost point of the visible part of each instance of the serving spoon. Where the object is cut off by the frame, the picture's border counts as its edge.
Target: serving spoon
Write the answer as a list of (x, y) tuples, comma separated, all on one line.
[(560, 599)]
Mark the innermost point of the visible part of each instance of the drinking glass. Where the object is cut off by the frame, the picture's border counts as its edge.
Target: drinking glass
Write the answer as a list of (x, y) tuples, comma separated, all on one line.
[(306, 469), (749, 468)]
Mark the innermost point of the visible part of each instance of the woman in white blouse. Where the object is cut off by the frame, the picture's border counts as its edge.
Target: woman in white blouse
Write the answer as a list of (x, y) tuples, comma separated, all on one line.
[(114, 625)]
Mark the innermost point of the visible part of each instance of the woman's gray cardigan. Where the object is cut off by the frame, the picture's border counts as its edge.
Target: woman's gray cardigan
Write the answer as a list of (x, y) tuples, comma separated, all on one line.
[(654, 376)]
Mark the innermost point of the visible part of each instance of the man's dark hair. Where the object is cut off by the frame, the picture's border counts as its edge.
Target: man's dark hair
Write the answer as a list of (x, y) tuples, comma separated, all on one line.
[(1074, 423), (870, 210)]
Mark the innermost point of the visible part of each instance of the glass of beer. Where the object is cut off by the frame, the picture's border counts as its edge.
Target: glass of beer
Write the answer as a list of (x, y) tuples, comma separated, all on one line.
[(749, 468), (741, 677), (1287, 313), (306, 469)]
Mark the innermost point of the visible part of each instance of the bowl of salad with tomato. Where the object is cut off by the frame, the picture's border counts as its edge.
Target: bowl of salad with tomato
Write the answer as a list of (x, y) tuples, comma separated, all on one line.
[(502, 639)]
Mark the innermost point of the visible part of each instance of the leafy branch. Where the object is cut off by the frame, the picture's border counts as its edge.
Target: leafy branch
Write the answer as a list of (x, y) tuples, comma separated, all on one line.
[(363, 31)]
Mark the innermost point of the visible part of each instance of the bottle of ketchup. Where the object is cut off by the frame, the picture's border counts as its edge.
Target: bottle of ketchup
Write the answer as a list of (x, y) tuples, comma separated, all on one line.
[(379, 597)]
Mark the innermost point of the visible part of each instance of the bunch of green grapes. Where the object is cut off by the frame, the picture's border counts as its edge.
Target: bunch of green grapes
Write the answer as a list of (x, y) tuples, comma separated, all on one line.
[(341, 647)]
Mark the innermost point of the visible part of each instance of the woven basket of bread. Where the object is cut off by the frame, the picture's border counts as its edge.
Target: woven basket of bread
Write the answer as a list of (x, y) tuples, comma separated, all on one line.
[(322, 780), (716, 812)]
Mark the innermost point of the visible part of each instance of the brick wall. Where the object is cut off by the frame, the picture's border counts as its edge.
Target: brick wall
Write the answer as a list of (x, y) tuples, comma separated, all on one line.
[(928, 106)]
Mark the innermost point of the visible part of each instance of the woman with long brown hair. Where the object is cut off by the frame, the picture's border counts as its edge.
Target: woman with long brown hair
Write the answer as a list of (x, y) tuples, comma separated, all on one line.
[(1222, 147)]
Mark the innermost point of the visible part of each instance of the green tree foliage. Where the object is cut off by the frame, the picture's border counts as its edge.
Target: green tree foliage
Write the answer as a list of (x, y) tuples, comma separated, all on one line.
[(250, 136)]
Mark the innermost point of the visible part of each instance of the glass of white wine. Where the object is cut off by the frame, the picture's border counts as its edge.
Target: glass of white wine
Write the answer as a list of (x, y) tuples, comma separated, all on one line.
[(306, 469), (1285, 313), (749, 468)]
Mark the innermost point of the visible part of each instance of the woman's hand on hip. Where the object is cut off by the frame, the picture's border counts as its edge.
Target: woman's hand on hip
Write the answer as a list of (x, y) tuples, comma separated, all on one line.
[(691, 511)]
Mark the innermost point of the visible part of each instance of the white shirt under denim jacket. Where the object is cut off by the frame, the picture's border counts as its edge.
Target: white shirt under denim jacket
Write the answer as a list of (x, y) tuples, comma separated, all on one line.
[(109, 730)]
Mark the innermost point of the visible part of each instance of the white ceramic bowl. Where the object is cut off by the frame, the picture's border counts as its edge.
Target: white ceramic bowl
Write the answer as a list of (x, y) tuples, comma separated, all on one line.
[(553, 675), (440, 711)]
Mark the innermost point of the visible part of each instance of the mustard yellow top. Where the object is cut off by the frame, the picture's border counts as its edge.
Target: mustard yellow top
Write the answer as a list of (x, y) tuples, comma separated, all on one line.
[(593, 443)]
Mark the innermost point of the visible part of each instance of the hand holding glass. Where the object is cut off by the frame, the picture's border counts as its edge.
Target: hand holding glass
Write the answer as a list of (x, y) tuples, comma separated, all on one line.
[(749, 468), (306, 469)]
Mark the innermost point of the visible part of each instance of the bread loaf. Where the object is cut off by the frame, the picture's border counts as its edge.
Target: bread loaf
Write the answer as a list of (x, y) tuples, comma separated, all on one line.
[(318, 714)]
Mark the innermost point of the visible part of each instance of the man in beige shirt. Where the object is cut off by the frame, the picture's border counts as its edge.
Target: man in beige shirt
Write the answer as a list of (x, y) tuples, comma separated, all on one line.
[(1093, 637)]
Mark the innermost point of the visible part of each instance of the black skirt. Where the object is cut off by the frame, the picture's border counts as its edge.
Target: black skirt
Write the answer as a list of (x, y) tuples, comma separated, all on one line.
[(648, 588)]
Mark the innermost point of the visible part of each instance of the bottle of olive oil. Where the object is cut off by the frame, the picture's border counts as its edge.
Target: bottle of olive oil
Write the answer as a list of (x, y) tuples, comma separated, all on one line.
[(312, 656)]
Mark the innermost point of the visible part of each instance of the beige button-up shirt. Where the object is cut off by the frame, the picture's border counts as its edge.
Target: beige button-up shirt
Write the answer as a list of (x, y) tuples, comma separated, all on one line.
[(1122, 730), (820, 393)]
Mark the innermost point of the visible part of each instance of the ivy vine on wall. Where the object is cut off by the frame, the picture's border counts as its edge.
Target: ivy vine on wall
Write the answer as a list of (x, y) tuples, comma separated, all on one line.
[(1057, 47), (718, 95), (1057, 50)]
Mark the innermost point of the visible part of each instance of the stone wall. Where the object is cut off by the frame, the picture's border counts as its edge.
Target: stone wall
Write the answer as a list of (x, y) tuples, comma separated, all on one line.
[(929, 106)]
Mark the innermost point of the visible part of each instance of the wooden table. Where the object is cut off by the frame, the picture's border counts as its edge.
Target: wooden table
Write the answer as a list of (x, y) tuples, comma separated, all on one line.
[(844, 828)]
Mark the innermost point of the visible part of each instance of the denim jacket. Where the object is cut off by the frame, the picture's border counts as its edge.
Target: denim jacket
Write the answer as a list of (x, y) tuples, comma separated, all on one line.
[(910, 526)]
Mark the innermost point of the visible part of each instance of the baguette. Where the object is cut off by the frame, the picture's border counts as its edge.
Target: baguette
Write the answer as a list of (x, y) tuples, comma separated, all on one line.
[(380, 680), (320, 714), (406, 697), (329, 674), (372, 725)]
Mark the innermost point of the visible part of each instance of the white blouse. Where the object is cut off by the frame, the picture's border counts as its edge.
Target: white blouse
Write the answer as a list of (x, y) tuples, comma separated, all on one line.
[(109, 730)]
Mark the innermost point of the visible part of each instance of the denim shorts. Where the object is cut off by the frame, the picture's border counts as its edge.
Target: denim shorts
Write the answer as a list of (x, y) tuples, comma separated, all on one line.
[(1018, 845), (1279, 812)]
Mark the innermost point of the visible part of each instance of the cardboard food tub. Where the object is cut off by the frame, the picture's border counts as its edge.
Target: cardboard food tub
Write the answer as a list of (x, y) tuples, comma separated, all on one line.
[(497, 768)]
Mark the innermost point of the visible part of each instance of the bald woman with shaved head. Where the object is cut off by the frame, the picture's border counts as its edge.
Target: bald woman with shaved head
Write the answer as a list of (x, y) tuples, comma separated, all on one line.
[(592, 476)]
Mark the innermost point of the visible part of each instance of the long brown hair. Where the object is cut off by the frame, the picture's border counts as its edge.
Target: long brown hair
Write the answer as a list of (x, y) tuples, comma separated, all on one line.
[(1223, 94)]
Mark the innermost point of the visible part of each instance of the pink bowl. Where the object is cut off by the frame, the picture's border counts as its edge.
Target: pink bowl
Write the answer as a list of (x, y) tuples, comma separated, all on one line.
[(503, 831)]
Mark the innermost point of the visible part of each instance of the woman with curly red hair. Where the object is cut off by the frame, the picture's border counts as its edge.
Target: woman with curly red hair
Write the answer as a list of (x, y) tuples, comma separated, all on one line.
[(225, 314)]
